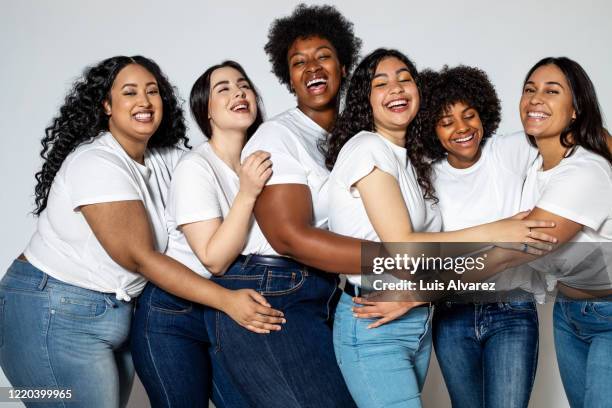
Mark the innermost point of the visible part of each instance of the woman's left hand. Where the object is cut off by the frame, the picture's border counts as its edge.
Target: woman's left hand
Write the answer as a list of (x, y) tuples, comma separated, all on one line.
[(387, 311)]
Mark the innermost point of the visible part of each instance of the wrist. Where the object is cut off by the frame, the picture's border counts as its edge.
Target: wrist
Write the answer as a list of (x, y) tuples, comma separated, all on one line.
[(247, 198)]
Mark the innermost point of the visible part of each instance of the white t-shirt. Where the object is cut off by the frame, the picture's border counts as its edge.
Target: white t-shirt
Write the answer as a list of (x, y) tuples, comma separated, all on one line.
[(292, 139), (203, 188), (64, 245), (579, 188), (359, 157), (488, 191)]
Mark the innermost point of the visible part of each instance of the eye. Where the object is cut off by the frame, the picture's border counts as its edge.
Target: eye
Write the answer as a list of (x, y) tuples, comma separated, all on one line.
[(379, 84), (129, 92), (528, 90), (224, 89), (298, 63), (153, 91), (552, 92), (324, 56), (445, 124), (245, 86), (469, 116)]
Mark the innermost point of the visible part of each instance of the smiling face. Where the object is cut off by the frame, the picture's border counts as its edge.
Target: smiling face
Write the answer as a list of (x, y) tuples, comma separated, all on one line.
[(460, 132), (394, 98), (232, 102), (135, 106), (315, 73), (546, 105)]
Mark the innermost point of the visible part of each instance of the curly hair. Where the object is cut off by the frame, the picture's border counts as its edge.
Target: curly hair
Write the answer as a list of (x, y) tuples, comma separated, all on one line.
[(199, 99), (441, 90), (311, 21), (587, 129), (358, 115), (82, 117)]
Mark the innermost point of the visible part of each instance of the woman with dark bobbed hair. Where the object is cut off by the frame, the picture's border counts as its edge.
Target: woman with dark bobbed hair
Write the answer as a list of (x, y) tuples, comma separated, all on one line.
[(478, 177), (310, 51), (67, 301), (209, 214), (571, 183), (377, 151)]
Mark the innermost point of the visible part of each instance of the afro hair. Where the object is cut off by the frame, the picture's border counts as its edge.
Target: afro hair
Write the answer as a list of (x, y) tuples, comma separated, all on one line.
[(311, 21), (441, 90)]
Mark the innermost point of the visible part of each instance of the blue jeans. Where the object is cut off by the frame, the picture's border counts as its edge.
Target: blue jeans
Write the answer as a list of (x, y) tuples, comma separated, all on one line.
[(583, 341), (488, 352), (170, 346), (294, 367), (56, 335), (383, 367)]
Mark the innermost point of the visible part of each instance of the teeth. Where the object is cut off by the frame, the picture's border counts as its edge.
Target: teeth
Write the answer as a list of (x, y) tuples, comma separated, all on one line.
[(241, 106), (539, 115), (143, 115), (399, 102), (465, 139), (316, 81)]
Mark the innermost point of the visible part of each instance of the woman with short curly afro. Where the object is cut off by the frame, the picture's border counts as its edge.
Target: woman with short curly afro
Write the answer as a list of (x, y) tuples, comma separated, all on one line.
[(101, 232), (478, 178), (311, 52)]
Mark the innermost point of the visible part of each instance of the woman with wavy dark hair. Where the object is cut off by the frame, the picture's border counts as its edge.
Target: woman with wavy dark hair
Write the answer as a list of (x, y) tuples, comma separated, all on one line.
[(209, 214), (67, 301), (378, 187), (478, 177), (571, 183)]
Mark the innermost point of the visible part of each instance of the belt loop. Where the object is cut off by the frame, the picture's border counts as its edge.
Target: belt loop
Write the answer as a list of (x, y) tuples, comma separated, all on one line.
[(110, 301), (43, 281)]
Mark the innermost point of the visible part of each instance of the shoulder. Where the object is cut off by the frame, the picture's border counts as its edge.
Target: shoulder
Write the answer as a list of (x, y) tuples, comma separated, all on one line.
[(584, 163), (365, 141), (170, 156)]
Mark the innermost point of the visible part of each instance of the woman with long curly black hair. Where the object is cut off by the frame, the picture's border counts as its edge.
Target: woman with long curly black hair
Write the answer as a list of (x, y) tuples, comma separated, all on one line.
[(378, 188), (67, 301), (478, 177)]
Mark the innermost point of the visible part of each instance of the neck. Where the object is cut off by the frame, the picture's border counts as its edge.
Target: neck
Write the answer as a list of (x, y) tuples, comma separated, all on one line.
[(326, 117), (133, 147), (463, 163), (227, 145), (551, 150), (397, 137)]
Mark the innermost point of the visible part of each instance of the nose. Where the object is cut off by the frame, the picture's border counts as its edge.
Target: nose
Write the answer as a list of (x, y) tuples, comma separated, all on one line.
[(239, 92), (144, 100), (462, 126), (313, 65), (396, 87)]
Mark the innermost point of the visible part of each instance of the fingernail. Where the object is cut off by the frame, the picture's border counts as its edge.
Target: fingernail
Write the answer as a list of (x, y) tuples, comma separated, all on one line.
[(284, 321), (354, 314)]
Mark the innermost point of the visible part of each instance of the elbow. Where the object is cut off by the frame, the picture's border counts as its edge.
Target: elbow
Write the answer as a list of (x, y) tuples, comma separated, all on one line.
[(216, 270), (287, 242)]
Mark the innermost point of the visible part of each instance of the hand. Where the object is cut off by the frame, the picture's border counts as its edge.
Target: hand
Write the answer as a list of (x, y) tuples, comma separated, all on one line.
[(387, 311), (255, 170), (517, 233), (251, 310)]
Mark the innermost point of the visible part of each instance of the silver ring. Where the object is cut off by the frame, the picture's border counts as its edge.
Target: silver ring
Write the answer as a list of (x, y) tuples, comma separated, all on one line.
[(525, 248)]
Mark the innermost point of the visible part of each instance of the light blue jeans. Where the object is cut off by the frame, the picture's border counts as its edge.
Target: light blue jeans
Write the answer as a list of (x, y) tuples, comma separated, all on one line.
[(583, 341), (386, 366), (59, 336)]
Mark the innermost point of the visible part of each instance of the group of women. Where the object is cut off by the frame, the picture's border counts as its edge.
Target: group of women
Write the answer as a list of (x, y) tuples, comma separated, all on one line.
[(214, 272)]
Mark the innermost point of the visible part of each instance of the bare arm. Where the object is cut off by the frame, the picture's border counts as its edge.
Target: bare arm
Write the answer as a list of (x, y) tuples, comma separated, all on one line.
[(284, 213), (123, 230), (218, 242)]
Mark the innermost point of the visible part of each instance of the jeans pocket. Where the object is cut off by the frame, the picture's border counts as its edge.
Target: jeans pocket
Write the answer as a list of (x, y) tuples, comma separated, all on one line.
[(80, 307), (165, 302), (602, 310), (522, 306), (282, 281)]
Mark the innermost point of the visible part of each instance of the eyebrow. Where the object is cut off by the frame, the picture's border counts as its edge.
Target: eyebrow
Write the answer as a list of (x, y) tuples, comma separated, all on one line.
[(463, 111), (318, 48), (545, 83), (226, 82), (403, 69), (135, 85)]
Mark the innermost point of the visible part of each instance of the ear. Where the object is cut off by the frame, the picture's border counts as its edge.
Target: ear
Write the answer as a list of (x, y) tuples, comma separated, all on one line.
[(343, 71), (107, 107)]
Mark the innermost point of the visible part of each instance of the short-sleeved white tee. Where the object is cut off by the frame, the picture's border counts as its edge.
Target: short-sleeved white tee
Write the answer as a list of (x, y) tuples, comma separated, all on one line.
[(488, 191), (359, 157), (292, 139), (203, 188), (64, 245), (579, 188)]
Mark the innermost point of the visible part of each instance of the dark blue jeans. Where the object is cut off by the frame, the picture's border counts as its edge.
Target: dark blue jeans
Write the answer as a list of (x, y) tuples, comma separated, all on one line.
[(170, 347), (488, 352), (296, 366), (583, 341)]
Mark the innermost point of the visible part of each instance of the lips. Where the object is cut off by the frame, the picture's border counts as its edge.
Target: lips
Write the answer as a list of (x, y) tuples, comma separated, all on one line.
[(537, 115), (241, 106), (316, 85), (465, 140), (143, 116), (398, 105)]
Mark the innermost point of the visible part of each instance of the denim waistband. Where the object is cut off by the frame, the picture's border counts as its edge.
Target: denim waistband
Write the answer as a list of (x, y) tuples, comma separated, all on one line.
[(268, 260), (35, 279)]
